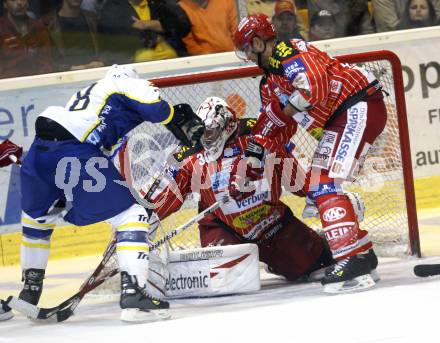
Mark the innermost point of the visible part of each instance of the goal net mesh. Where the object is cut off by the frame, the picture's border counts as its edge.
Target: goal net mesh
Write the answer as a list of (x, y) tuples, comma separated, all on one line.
[(380, 183)]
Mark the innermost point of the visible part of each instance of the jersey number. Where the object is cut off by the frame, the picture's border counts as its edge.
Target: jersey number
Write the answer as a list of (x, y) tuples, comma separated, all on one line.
[(82, 100)]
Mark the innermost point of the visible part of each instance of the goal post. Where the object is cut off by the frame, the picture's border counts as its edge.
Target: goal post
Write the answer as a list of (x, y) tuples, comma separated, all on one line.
[(386, 183)]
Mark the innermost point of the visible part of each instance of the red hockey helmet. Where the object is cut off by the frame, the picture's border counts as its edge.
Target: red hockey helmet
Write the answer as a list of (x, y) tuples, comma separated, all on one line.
[(255, 25)]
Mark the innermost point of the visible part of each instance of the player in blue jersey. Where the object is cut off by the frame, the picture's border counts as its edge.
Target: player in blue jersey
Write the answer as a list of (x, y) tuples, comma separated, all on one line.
[(66, 173)]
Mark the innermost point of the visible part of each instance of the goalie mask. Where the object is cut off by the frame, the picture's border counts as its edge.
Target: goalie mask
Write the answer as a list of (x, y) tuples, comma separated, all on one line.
[(220, 123)]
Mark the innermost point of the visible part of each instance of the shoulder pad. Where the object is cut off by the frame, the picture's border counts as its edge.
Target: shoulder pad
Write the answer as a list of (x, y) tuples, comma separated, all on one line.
[(139, 89), (186, 151), (281, 51), (245, 126)]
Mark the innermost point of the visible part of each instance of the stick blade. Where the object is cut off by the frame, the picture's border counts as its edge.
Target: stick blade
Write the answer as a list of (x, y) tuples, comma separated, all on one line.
[(425, 270)]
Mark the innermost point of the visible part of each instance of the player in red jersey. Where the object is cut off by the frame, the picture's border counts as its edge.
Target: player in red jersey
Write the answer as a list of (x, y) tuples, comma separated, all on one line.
[(342, 107), (286, 244)]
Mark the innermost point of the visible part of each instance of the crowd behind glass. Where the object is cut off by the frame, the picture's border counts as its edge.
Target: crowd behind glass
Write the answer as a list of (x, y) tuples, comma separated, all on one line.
[(43, 36)]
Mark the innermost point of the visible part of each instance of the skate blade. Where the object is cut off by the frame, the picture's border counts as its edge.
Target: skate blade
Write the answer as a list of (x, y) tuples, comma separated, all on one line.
[(357, 284), (134, 315), (6, 316)]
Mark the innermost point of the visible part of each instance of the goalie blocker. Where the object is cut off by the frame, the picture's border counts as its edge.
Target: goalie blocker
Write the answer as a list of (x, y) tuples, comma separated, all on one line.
[(209, 271)]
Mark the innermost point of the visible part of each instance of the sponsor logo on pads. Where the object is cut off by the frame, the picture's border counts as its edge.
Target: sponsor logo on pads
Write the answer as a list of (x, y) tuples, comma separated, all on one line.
[(334, 213)]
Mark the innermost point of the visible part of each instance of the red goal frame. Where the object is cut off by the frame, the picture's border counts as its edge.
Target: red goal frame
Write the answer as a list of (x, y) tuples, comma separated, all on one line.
[(254, 71)]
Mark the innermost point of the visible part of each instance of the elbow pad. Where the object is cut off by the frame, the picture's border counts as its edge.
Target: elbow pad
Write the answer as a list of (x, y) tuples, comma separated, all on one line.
[(298, 101)]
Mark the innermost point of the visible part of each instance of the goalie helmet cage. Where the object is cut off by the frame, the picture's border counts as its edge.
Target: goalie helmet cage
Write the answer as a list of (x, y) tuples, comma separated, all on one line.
[(385, 183)]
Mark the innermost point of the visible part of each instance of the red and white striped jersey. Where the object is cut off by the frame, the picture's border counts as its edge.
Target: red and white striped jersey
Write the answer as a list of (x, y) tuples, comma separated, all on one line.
[(322, 80), (249, 217)]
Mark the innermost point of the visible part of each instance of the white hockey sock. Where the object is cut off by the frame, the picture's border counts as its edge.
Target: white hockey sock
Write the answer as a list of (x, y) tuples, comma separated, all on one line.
[(35, 245), (131, 242), (34, 253), (130, 262)]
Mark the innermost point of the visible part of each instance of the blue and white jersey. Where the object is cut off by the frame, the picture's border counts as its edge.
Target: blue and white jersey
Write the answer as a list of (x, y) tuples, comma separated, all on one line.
[(108, 109)]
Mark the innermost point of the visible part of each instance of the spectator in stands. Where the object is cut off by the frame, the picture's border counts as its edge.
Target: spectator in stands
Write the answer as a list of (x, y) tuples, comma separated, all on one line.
[(260, 6), (24, 42), (140, 30), (323, 25), (213, 24), (92, 5), (418, 13), (388, 13), (73, 34), (41, 8), (353, 16), (284, 20), (267, 7)]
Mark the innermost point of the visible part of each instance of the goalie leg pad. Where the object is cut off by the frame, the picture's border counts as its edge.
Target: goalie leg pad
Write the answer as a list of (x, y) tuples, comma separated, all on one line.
[(212, 271), (294, 251)]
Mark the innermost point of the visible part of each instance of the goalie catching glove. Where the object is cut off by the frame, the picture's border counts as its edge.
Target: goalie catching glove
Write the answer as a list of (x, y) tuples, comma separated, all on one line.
[(185, 125)]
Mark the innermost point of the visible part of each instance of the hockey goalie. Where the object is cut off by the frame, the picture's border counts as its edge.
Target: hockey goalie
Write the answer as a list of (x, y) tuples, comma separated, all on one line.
[(255, 215)]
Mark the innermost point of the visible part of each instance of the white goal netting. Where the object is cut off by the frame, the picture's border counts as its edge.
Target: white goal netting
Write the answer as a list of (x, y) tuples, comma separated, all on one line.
[(380, 184), (384, 184)]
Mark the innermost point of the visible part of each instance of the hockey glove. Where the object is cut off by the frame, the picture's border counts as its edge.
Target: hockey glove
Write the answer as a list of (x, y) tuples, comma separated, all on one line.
[(254, 154), (242, 176), (9, 153), (255, 150), (185, 125)]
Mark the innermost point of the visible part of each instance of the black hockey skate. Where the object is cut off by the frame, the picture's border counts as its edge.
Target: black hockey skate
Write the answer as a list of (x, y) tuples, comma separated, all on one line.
[(137, 305), (372, 259), (33, 285), (5, 311), (348, 275), (325, 260)]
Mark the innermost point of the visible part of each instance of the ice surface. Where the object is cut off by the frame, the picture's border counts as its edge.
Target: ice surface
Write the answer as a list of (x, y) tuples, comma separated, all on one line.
[(402, 308)]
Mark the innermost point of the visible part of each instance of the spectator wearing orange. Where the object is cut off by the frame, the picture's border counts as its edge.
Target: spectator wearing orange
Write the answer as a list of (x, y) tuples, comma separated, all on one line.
[(213, 23), (24, 42), (73, 34), (284, 20)]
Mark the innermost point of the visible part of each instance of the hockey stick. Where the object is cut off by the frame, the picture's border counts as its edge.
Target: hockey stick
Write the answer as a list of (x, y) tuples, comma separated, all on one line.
[(425, 270), (65, 309), (185, 226)]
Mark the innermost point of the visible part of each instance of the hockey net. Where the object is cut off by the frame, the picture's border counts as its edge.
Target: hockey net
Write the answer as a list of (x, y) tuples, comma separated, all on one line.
[(385, 183)]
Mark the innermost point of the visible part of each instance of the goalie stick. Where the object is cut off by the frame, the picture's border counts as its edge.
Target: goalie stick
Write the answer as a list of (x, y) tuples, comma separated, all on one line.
[(65, 309), (425, 270)]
